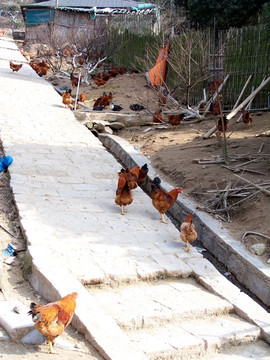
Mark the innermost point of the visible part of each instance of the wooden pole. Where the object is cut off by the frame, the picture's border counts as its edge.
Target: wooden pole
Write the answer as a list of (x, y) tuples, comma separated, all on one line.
[(250, 102), (242, 92), (210, 132), (80, 103), (247, 107), (252, 95), (77, 91), (255, 185)]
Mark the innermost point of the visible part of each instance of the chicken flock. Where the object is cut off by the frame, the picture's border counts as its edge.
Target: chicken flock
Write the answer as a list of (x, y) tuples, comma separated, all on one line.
[(130, 179), (52, 319)]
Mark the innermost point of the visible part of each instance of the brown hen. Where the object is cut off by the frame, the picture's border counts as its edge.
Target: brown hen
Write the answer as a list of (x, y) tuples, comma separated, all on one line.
[(14, 67), (162, 200), (52, 319), (188, 232), (246, 117), (123, 193)]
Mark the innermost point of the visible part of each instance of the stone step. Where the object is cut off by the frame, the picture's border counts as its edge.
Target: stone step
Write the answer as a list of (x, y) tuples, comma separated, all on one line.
[(195, 338), (257, 350), (3, 335), (176, 319), (160, 302)]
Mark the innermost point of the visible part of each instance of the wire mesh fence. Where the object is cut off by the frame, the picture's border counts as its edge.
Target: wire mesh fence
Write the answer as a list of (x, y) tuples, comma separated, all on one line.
[(242, 54), (247, 52), (237, 52)]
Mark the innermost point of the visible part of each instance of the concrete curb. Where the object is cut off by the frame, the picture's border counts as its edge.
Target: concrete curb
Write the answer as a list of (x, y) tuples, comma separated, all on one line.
[(249, 271)]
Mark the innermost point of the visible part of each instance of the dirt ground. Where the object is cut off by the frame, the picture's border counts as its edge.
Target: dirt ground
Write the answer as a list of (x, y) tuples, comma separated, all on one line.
[(176, 154)]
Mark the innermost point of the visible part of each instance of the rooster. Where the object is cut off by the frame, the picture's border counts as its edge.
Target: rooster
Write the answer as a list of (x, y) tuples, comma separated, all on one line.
[(131, 176), (175, 119), (135, 176), (82, 97), (74, 80), (14, 67), (157, 117), (222, 122), (99, 82), (104, 100), (106, 76), (100, 99), (40, 68), (66, 98), (142, 174), (114, 71), (162, 101), (122, 71), (162, 200), (52, 319), (123, 193), (246, 117), (214, 108), (188, 232)]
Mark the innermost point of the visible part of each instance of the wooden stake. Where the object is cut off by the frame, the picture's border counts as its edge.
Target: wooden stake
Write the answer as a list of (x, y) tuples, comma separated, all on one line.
[(254, 233), (2, 227), (250, 102), (80, 103), (77, 91), (255, 185), (260, 148), (242, 92), (255, 92), (247, 107)]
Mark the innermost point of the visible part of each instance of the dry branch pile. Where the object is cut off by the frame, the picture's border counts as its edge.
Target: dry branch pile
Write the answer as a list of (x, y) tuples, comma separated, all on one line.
[(224, 202)]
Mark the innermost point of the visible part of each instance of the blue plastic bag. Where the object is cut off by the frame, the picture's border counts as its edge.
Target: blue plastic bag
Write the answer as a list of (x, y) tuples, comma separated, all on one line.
[(5, 161), (9, 250)]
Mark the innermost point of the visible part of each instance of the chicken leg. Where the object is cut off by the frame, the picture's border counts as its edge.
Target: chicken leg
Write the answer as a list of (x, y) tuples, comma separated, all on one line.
[(163, 218), (50, 347), (122, 209), (188, 248)]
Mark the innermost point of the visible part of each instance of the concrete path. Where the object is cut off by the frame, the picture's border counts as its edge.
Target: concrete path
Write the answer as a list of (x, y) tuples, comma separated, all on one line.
[(127, 269)]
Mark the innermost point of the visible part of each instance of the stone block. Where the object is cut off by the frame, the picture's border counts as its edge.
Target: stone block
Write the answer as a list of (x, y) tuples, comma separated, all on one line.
[(3, 335), (33, 338), (16, 325), (172, 265)]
